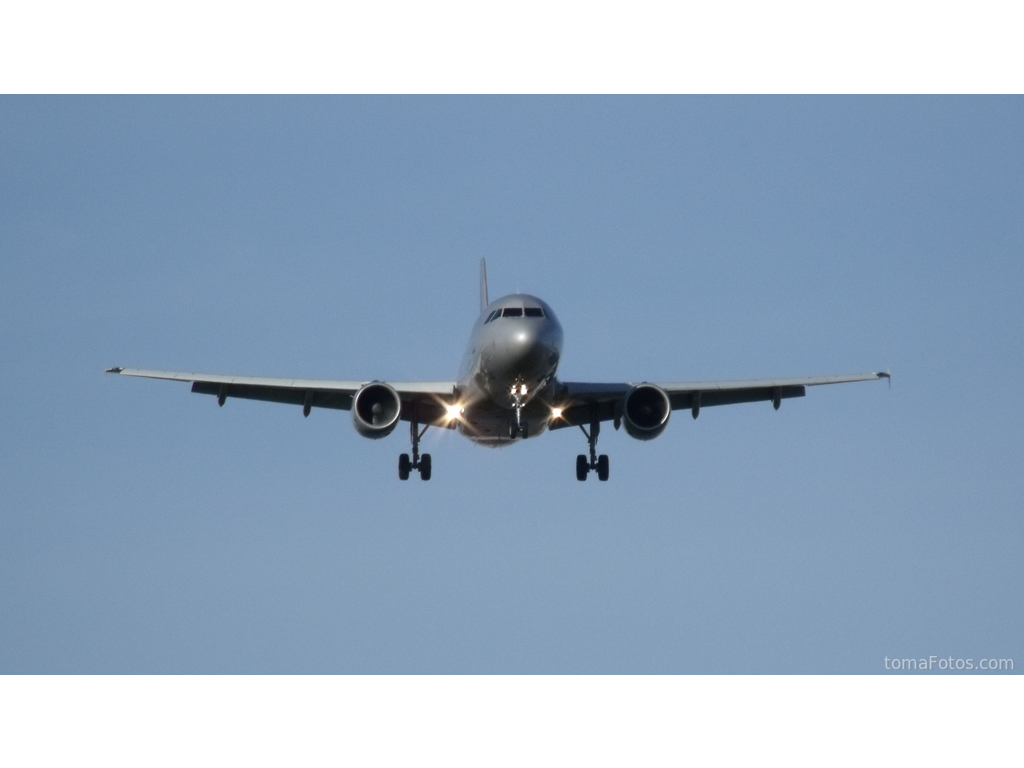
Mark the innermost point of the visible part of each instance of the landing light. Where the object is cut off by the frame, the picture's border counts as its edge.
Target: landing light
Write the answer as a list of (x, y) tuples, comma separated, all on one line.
[(556, 413), (453, 411)]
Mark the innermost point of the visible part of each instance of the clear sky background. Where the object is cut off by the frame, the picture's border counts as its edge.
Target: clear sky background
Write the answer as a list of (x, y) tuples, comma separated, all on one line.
[(143, 529)]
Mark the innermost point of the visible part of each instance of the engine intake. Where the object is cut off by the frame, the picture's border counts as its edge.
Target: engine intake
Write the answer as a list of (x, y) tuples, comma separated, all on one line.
[(645, 411), (376, 408)]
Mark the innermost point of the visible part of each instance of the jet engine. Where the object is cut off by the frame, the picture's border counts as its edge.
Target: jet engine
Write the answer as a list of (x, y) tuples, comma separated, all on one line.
[(375, 410), (645, 411)]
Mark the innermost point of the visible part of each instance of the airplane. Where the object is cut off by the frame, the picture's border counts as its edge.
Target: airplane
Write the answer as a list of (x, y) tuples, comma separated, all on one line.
[(507, 391)]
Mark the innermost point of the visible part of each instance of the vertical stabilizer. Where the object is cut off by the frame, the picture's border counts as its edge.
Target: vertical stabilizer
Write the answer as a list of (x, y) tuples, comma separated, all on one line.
[(483, 285)]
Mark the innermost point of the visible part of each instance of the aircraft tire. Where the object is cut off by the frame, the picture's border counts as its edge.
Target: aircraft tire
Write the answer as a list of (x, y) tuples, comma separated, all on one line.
[(602, 467), (425, 466), (582, 467), (403, 466)]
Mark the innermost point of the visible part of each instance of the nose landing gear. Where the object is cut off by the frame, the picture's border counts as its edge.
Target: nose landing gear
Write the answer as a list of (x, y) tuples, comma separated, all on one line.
[(518, 428), (600, 463), (420, 463)]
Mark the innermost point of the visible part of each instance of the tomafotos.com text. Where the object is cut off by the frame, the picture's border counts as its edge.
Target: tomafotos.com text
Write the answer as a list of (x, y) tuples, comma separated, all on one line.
[(948, 663)]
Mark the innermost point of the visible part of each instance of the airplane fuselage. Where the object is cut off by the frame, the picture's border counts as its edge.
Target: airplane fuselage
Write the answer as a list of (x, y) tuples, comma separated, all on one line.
[(507, 377)]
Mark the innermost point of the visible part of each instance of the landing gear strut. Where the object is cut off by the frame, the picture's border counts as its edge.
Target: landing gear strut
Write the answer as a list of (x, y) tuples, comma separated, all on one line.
[(419, 463), (518, 428), (600, 463)]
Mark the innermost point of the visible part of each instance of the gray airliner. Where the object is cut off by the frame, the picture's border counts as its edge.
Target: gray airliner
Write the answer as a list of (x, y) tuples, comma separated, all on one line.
[(507, 391)]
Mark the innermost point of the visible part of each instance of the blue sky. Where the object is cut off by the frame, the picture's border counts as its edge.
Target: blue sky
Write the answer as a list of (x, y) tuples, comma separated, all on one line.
[(142, 529)]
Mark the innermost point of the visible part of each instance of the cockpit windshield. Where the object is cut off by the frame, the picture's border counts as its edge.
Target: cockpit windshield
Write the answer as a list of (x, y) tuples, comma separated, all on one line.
[(515, 312)]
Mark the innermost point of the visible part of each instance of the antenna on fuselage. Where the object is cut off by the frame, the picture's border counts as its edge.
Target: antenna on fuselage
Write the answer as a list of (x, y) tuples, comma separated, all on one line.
[(483, 285)]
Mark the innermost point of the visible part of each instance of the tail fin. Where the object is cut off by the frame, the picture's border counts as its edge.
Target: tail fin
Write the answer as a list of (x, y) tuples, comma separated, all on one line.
[(483, 285)]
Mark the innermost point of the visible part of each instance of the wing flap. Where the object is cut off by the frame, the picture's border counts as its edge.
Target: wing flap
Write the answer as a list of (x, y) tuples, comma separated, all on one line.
[(806, 381), (315, 398), (712, 397)]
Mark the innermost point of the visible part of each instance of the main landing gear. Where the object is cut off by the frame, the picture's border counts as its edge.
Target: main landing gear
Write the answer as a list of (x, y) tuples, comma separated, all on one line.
[(419, 463), (600, 463)]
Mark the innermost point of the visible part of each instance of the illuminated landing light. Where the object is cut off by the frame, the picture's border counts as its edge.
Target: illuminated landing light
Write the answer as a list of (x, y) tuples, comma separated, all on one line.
[(522, 390), (556, 413), (453, 412)]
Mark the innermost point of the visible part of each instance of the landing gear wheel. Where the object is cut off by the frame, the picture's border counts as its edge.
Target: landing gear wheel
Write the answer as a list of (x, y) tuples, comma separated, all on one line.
[(425, 466), (404, 465), (586, 463), (582, 467)]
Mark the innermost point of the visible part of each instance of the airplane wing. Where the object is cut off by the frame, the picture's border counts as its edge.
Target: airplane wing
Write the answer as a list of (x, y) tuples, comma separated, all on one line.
[(422, 401), (584, 402)]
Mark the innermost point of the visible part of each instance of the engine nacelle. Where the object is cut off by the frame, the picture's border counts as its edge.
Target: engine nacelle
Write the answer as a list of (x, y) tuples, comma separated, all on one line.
[(375, 410), (645, 411)]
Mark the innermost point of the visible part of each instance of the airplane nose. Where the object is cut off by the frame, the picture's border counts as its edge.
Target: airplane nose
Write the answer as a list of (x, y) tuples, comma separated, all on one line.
[(524, 350), (524, 338), (521, 342), (520, 352)]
